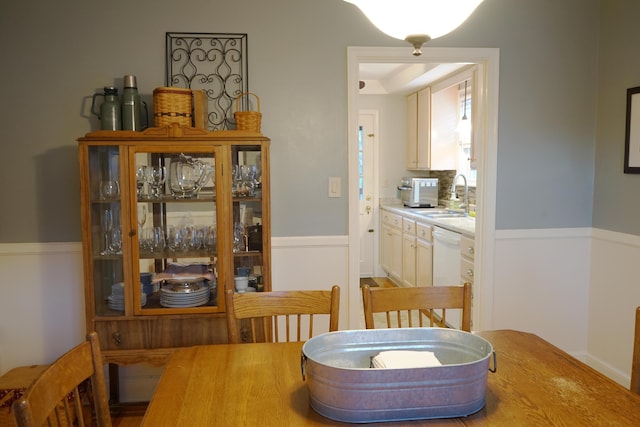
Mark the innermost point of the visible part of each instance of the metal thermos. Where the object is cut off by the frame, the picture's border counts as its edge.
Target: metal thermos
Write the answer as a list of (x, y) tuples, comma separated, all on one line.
[(109, 115), (132, 106)]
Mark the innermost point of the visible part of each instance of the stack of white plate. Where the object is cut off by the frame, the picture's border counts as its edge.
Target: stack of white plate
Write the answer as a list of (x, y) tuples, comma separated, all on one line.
[(188, 295), (115, 301)]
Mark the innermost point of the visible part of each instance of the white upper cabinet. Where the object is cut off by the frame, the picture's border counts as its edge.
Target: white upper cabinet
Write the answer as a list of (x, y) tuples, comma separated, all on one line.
[(437, 136)]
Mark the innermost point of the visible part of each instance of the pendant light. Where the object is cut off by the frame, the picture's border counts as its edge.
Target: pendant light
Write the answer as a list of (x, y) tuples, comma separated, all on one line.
[(416, 21), (464, 115)]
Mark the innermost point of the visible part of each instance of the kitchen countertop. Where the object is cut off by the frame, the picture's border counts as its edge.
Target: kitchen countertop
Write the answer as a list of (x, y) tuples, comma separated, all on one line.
[(464, 225)]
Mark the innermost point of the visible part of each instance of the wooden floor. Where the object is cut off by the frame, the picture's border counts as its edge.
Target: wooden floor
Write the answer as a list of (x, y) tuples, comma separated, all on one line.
[(136, 420), (382, 282)]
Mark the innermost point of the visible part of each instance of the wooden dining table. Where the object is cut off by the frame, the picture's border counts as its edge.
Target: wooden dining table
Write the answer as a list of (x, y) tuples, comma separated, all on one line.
[(535, 384)]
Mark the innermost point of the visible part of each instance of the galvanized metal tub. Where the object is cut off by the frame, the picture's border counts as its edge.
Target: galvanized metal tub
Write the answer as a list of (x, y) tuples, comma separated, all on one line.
[(343, 387)]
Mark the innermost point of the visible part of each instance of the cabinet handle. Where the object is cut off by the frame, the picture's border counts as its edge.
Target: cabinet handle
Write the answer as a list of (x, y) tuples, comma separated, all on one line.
[(470, 272), (132, 233), (470, 250), (116, 338)]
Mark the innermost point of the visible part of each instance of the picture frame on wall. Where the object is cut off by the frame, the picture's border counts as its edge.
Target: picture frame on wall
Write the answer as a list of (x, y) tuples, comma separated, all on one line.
[(632, 132), (214, 64)]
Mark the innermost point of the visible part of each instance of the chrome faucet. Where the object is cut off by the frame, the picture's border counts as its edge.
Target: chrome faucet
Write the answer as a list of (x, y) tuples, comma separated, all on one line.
[(466, 191)]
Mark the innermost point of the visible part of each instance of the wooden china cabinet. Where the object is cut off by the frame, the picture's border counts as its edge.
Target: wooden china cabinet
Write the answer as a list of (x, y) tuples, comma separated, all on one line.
[(169, 216)]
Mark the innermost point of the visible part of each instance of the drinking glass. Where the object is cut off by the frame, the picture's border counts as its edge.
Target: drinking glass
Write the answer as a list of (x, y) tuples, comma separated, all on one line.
[(109, 190), (141, 179), (115, 240), (142, 216), (156, 176), (106, 222)]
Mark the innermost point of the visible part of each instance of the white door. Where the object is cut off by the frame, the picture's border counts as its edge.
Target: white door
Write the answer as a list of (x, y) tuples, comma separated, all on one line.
[(367, 145)]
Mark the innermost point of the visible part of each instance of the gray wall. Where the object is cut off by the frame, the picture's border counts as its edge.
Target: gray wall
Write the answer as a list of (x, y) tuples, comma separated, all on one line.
[(56, 54), (616, 201)]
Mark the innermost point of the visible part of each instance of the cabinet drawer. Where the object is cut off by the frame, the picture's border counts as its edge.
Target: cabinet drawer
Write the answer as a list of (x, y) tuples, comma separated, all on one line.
[(391, 219), (408, 226), (467, 247), (423, 231), (466, 270), (161, 332)]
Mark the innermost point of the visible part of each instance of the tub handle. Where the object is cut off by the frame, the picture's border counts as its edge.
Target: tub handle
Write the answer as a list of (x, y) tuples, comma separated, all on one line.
[(303, 366), (495, 364)]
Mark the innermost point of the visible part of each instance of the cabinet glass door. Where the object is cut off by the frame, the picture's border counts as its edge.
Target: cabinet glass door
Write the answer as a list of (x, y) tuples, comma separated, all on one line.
[(105, 193), (176, 230), (248, 236)]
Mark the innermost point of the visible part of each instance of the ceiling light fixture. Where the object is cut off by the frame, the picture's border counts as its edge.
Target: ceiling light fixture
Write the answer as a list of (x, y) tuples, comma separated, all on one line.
[(464, 116), (416, 21)]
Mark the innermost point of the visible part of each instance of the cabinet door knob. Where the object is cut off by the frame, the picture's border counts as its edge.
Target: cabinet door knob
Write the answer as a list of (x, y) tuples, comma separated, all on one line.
[(116, 338), (132, 233)]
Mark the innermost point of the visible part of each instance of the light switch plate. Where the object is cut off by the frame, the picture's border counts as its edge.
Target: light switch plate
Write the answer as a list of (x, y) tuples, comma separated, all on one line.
[(335, 184)]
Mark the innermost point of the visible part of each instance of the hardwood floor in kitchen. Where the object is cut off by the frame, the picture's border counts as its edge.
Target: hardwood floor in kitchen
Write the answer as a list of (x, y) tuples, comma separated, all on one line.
[(383, 282)]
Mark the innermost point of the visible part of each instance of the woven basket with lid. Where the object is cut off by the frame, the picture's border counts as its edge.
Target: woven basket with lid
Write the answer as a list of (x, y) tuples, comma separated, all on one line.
[(172, 105)]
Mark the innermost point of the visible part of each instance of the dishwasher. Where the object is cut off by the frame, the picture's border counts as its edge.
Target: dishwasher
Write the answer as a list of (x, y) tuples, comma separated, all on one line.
[(446, 265)]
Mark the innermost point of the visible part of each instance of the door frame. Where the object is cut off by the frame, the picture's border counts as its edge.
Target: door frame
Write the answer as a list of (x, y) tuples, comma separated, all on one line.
[(487, 166)]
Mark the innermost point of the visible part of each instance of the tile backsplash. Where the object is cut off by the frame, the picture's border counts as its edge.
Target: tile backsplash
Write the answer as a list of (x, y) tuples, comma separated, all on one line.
[(445, 178)]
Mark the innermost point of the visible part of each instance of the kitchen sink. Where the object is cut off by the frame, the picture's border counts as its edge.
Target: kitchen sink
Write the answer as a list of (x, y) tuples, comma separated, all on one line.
[(446, 215), (430, 211)]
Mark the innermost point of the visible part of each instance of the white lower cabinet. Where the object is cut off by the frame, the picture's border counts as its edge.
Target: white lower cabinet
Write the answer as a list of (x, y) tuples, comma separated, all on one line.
[(391, 245), (424, 255), (467, 259), (408, 252)]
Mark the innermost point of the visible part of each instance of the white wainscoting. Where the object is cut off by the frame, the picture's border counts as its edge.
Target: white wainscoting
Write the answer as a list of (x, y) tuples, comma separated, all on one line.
[(41, 302), (614, 294), (576, 288), (541, 284)]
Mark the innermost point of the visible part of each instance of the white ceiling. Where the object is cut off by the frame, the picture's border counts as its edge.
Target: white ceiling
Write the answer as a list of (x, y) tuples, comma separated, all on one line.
[(402, 78)]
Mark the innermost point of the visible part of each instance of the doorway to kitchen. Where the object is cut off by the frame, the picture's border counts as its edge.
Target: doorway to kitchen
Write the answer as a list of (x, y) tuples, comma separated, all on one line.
[(368, 190), (488, 61)]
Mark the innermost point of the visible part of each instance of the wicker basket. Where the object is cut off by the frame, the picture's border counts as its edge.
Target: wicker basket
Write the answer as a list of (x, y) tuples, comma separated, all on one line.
[(172, 105), (248, 120)]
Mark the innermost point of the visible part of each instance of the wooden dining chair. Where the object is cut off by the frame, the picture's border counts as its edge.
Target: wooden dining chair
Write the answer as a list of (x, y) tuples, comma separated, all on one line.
[(417, 307), (260, 316), (635, 362), (55, 398)]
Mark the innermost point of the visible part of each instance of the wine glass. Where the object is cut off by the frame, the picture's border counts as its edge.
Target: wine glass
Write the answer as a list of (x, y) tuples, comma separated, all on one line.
[(156, 176), (141, 178), (115, 240), (107, 225), (109, 190), (142, 216)]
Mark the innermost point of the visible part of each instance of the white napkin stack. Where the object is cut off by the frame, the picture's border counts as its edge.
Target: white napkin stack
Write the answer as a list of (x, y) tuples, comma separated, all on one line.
[(401, 359)]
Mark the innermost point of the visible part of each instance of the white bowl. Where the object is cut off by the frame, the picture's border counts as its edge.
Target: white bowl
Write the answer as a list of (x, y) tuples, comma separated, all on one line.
[(242, 283)]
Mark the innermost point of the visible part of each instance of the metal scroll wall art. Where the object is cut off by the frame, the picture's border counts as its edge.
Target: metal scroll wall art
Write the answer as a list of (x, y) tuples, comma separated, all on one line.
[(214, 63)]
